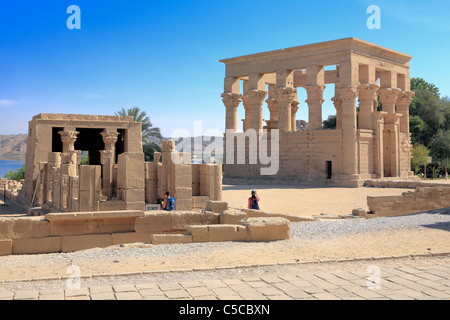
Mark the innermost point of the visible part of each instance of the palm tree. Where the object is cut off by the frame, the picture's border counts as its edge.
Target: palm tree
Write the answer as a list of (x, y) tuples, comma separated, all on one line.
[(148, 130), (147, 126)]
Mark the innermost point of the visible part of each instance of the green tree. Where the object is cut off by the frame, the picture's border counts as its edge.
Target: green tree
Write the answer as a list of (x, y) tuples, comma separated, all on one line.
[(16, 175), (429, 108), (148, 130), (417, 128), (330, 123), (419, 83), (446, 110), (440, 149), (149, 149), (420, 156)]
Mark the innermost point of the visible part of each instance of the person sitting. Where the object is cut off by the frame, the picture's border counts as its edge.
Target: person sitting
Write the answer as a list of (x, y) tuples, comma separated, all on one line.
[(169, 202), (253, 201)]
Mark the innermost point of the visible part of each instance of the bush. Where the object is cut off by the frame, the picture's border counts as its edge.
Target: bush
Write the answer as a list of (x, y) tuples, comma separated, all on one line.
[(16, 175)]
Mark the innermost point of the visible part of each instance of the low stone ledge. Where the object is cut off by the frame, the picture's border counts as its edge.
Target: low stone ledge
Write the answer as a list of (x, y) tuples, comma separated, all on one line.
[(251, 213), (36, 245), (83, 242), (232, 216), (170, 238), (23, 228), (5, 247), (61, 216), (218, 233), (216, 206), (267, 229)]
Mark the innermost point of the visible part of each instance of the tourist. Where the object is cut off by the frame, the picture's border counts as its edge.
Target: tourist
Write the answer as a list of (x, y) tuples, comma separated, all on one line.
[(253, 201), (168, 202)]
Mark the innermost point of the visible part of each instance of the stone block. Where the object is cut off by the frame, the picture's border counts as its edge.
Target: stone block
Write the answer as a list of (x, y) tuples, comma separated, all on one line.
[(216, 206), (130, 237), (90, 178), (30, 227), (154, 221), (182, 219), (83, 242), (6, 226), (183, 193), (5, 247), (92, 222), (131, 195), (131, 171), (36, 245), (358, 212), (267, 229), (170, 238), (218, 233), (138, 205), (232, 216), (199, 202), (183, 204)]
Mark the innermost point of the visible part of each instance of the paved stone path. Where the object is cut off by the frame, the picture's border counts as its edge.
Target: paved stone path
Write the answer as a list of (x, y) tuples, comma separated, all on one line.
[(399, 279)]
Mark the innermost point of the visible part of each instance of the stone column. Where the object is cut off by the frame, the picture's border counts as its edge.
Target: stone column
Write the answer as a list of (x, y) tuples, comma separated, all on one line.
[(348, 95), (256, 99), (391, 155), (284, 97), (273, 108), (68, 138), (294, 108), (231, 102), (403, 102), (367, 94), (248, 112), (338, 106), (107, 158), (315, 101)]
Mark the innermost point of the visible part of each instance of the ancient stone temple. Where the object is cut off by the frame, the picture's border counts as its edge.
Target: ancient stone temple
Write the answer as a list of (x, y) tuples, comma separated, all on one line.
[(367, 143), (116, 176)]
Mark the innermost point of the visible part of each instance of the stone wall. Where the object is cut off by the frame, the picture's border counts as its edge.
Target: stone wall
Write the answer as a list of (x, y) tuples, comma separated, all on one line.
[(422, 199), (67, 232)]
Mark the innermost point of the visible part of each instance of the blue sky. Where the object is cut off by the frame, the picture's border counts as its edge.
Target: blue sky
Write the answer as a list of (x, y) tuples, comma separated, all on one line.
[(163, 56)]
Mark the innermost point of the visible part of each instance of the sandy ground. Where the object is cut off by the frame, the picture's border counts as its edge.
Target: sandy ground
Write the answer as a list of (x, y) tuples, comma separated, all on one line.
[(305, 201)]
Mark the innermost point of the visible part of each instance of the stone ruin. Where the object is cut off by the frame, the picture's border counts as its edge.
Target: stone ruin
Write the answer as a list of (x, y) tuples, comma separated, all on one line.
[(368, 144), (77, 207), (117, 177)]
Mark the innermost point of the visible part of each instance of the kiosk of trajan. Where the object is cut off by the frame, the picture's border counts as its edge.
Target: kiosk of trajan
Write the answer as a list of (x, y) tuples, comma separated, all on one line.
[(367, 143)]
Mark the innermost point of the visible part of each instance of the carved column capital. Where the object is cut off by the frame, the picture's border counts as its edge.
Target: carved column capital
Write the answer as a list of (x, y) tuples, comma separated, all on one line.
[(272, 104), (285, 94), (368, 91), (256, 97), (231, 100), (350, 92), (404, 98), (388, 95), (295, 105), (109, 138), (337, 101), (315, 92), (69, 136)]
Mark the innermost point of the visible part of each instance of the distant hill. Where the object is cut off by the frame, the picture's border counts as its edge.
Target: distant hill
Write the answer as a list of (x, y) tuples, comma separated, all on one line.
[(13, 144)]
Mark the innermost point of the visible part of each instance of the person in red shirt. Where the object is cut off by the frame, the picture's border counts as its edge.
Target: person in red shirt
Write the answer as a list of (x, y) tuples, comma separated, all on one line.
[(253, 201)]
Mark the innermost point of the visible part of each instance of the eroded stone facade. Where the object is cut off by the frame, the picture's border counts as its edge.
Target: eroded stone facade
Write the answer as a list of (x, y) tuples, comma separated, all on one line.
[(117, 177)]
